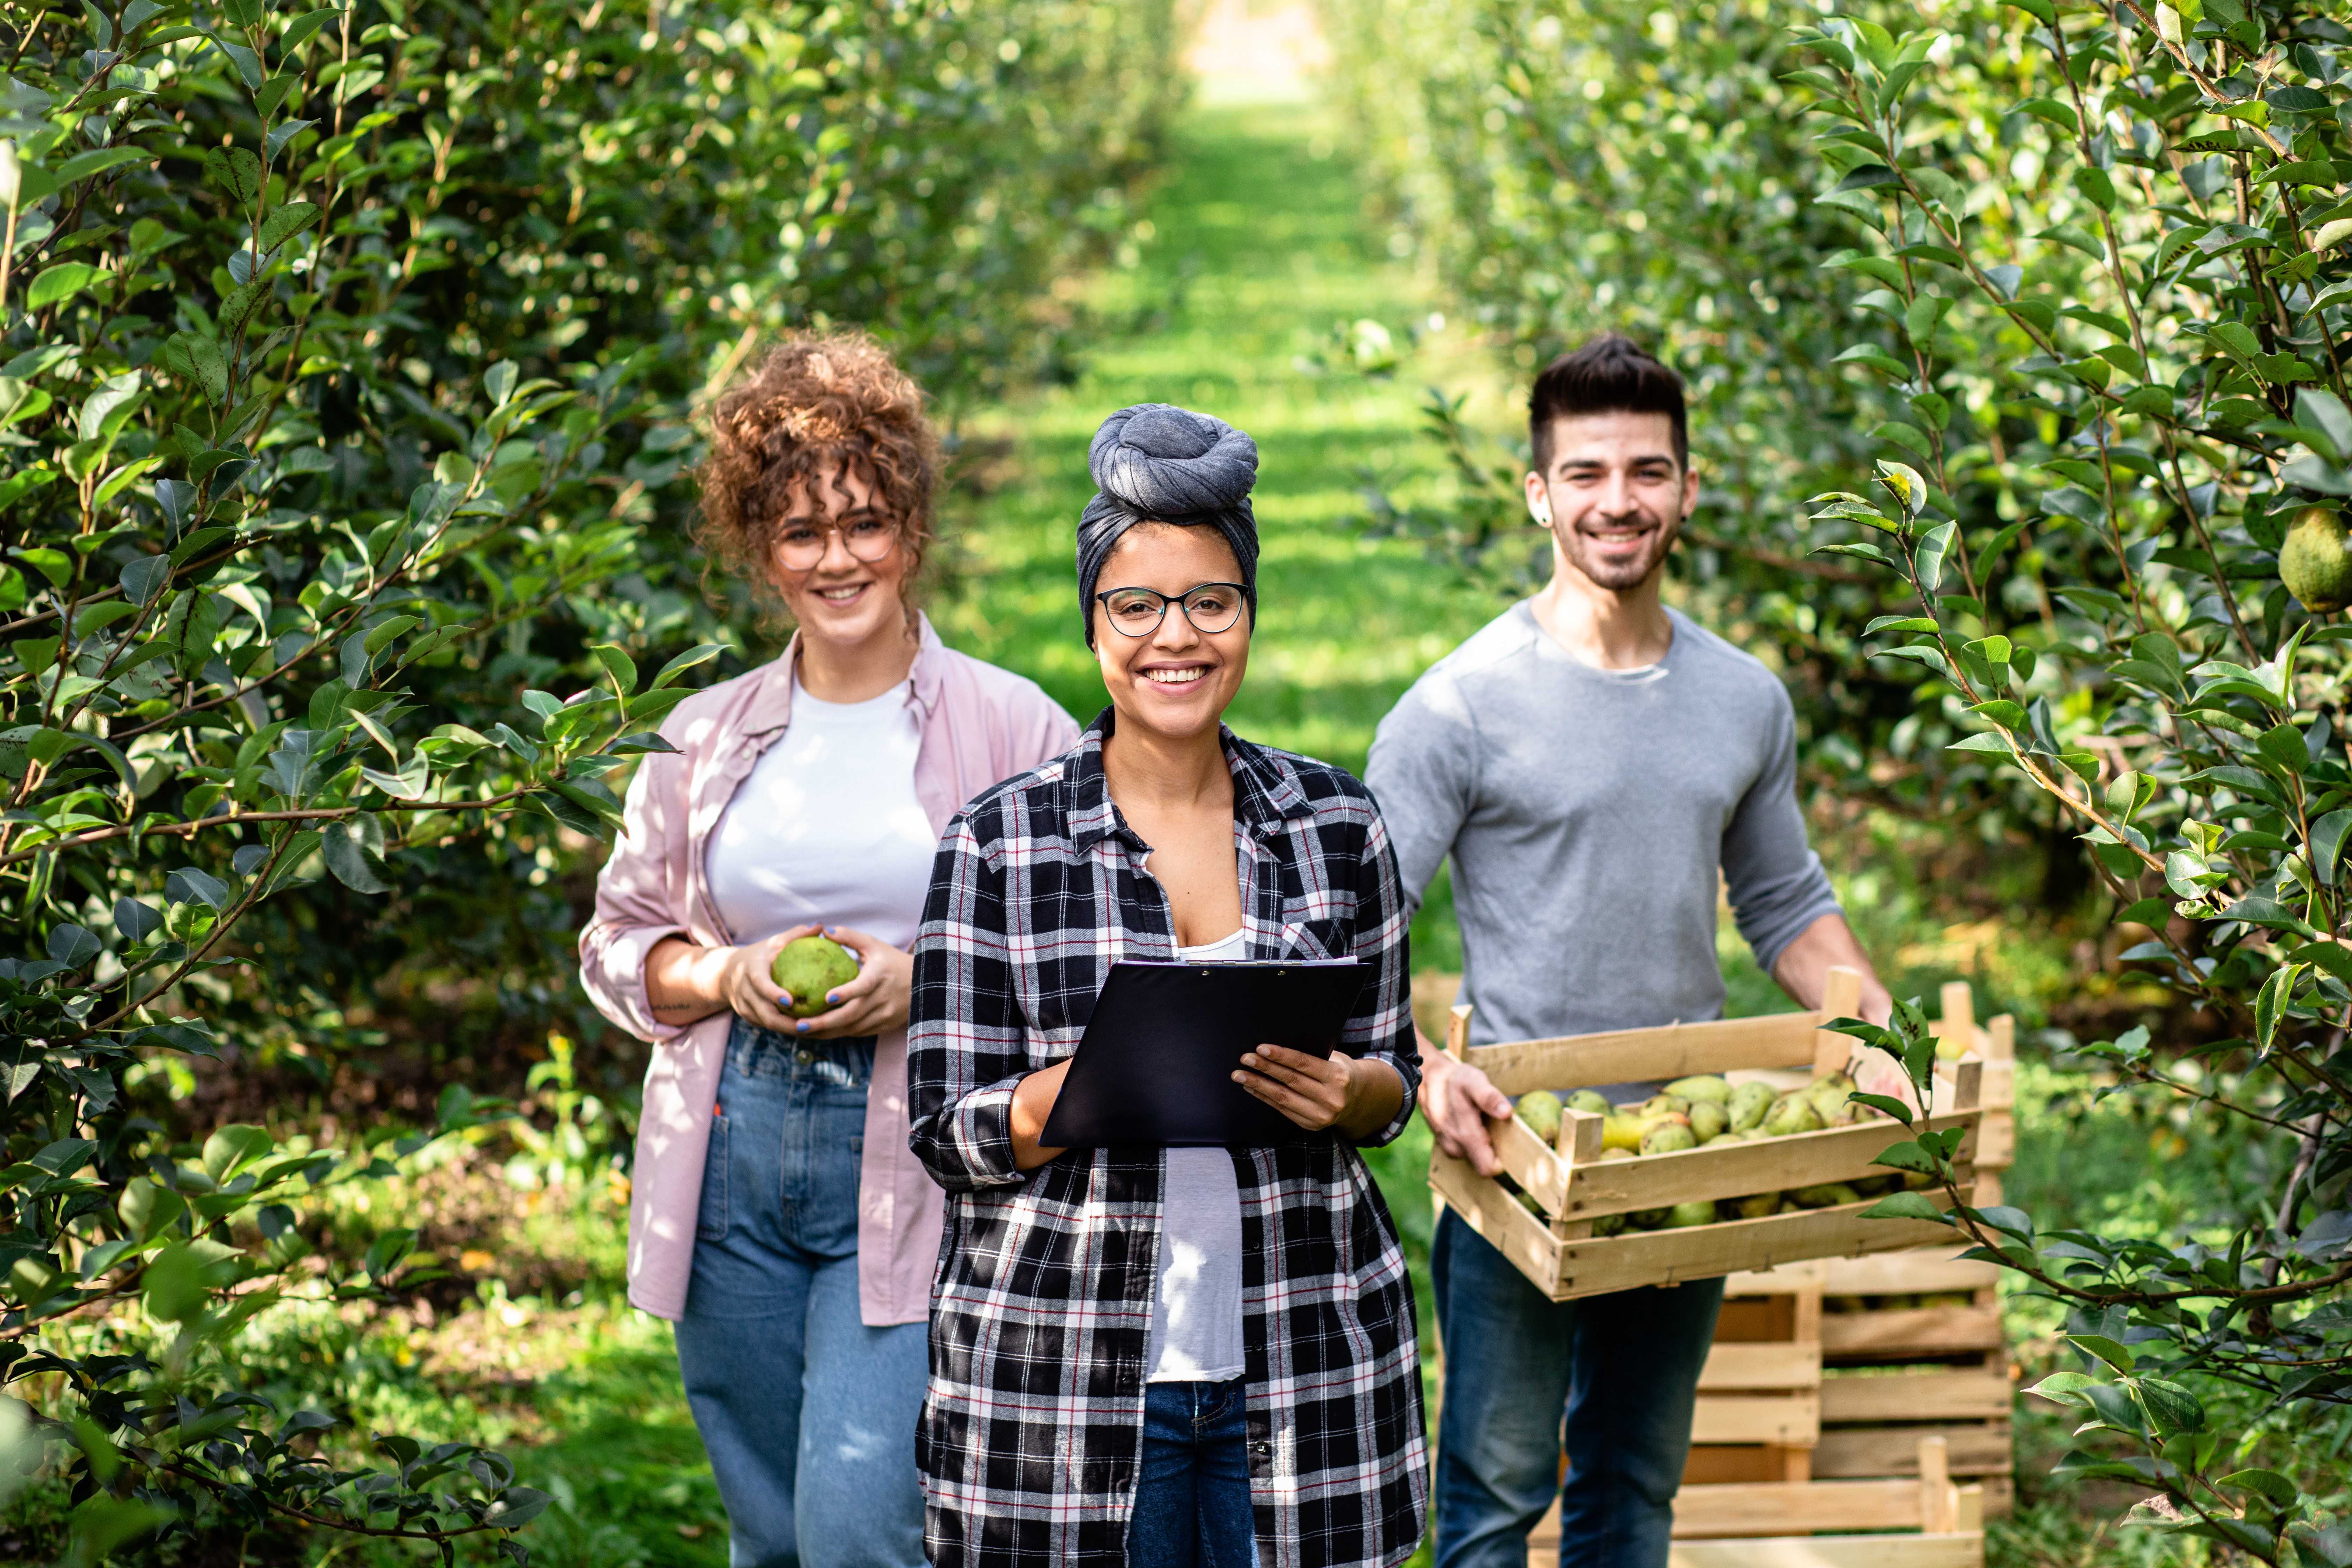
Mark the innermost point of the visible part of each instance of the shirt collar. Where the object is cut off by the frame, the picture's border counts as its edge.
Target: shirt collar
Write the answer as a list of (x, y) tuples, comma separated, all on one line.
[(1265, 794), (771, 708)]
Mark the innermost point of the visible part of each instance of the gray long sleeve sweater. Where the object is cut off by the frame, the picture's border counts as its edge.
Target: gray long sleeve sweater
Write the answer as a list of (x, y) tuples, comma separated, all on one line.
[(1587, 813)]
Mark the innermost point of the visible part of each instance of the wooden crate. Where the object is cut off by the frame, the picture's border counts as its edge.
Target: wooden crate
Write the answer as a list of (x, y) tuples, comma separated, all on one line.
[(1759, 1412), (1993, 1042), (1574, 1186), (1774, 1524), (1895, 1371)]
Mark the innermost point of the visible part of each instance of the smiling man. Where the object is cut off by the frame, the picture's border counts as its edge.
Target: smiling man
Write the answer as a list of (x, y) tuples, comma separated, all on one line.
[(1595, 765)]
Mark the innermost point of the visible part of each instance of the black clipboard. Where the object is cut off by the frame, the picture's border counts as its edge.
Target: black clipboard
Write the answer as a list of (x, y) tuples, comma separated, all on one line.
[(1155, 1066)]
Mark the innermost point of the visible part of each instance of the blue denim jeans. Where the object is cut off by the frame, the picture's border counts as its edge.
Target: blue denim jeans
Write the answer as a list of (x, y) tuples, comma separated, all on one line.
[(1624, 1370), (808, 1415), (1193, 1489)]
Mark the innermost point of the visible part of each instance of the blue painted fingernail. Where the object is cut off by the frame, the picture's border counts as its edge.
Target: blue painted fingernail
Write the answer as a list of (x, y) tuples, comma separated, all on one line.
[(831, 999), (799, 1028)]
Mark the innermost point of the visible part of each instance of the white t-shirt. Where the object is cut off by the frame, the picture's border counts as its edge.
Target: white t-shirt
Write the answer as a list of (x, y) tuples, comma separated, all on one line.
[(826, 829), (1196, 1317)]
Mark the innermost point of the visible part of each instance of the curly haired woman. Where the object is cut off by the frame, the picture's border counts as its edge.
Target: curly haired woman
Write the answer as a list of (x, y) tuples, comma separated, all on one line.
[(778, 1217)]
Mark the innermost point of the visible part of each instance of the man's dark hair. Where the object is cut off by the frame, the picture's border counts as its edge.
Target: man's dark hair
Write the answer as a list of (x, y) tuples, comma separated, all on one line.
[(1609, 375)]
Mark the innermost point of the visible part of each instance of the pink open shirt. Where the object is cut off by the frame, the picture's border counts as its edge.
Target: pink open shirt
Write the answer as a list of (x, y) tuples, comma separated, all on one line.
[(981, 724)]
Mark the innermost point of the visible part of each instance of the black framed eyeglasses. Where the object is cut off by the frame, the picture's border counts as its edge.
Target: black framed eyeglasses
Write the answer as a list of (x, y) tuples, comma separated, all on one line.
[(1210, 607)]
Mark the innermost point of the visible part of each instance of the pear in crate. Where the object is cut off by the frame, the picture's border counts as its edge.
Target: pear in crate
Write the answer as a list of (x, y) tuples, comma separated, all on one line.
[(1708, 1120), (1669, 1138), (1829, 1096), (1826, 1194), (1749, 1102), (1702, 1086), (1789, 1114), (1756, 1206), (1698, 1211), (1541, 1111), (1591, 1100)]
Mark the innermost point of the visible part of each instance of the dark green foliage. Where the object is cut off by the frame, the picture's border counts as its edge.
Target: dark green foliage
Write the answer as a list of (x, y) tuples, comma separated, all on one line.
[(346, 361)]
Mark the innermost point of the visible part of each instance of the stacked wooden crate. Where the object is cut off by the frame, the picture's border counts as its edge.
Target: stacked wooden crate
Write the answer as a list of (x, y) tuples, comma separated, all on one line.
[(1845, 1397), (1820, 1524)]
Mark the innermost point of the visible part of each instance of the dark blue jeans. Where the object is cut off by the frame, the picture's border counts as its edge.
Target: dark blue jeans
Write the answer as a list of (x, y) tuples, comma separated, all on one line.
[(1192, 1495), (807, 1414), (1624, 1370)]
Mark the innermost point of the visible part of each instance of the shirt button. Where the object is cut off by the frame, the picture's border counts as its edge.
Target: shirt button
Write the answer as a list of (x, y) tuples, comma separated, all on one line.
[(808, 1056)]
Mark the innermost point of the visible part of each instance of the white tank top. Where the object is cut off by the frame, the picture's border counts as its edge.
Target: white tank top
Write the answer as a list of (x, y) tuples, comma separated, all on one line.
[(1196, 1317)]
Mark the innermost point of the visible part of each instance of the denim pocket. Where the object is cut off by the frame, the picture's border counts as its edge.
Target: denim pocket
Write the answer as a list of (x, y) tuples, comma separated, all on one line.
[(710, 1217)]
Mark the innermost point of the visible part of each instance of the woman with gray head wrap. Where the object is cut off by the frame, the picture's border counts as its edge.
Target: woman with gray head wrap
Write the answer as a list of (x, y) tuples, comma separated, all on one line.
[(1155, 462), (1164, 836)]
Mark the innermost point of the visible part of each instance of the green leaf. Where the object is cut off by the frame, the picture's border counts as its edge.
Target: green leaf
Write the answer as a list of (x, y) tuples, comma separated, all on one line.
[(2172, 1408), (2061, 115), (82, 165), (234, 170), (1928, 561), (348, 862), (2065, 1387), (2105, 1349), (1907, 1205), (62, 281), (619, 666), (232, 1148), (701, 654), (2002, 711), (382, 635), (286, 223), (299, 31), (2269, 1485), (2270, 1004), (197, 359)]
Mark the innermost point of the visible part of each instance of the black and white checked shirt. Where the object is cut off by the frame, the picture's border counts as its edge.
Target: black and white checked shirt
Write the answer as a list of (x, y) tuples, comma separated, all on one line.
[(1032, 1423)]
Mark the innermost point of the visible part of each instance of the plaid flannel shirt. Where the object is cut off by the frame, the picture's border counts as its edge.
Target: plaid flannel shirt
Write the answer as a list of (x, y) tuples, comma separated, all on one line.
[(1032, 1424)]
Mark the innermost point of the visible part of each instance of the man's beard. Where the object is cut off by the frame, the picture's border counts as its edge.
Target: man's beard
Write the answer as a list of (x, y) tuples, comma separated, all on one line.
[(1620, 578)]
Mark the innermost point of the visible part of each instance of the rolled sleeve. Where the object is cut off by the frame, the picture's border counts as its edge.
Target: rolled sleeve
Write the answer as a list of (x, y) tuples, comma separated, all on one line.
[(966, 1040), (1774, 880), (636, 905)]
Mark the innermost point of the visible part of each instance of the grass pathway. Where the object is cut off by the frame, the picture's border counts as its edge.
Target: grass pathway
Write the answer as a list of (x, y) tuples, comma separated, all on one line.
[(1260, 250)]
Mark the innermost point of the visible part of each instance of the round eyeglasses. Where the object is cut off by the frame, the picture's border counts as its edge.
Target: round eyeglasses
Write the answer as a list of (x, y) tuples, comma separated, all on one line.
[(802, 545), (1212, 607)]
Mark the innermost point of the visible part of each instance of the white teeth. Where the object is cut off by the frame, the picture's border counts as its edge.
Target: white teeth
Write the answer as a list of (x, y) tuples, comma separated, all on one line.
[(1174, 677), (837, 594)]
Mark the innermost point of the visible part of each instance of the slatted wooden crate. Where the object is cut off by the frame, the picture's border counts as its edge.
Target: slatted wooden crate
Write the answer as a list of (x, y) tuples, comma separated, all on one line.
[(1992, 1043), (1776, 1524), (1574, 1186), (1759, 1412), (1892, 1372)]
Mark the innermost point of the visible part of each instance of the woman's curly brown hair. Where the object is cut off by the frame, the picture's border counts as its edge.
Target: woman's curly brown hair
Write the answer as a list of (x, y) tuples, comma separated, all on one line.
[(819, 400)]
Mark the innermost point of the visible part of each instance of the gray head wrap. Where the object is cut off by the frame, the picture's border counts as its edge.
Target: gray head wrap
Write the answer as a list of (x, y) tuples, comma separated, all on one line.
[(1158, 463)]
